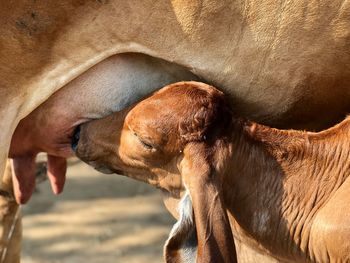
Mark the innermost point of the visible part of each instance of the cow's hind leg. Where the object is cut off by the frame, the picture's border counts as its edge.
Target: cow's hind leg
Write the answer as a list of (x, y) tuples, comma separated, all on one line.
[(10, 221)]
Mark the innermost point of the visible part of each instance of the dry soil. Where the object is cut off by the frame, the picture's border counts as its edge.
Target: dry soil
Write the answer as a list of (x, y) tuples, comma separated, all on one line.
[(98, 218)]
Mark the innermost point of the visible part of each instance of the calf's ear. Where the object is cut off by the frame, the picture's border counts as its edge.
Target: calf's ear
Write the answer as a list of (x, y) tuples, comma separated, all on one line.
[(203, 232), (209, 116)]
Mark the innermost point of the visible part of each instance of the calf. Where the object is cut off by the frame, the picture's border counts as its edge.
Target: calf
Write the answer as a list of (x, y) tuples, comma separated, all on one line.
[(282, 195)]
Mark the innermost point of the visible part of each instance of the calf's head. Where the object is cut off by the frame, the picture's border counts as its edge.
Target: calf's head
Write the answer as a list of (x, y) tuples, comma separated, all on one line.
[(174, 140)]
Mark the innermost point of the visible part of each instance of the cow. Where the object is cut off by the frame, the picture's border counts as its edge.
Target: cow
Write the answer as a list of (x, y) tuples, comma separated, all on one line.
[(276, 195), (285, 64)]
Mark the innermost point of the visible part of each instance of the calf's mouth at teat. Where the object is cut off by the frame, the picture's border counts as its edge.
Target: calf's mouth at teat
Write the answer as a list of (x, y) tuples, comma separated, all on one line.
[(94, 144)]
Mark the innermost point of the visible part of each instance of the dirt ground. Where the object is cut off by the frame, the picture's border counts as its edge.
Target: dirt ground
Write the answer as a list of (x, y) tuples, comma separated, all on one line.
[(98, 218)]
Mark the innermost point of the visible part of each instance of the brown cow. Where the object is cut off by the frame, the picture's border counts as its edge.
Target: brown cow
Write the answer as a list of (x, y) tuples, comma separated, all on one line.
[(282, 194), (283, 63)]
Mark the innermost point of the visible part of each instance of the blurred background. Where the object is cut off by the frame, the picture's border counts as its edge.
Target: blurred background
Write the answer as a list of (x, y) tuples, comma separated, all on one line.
[(98, 218)]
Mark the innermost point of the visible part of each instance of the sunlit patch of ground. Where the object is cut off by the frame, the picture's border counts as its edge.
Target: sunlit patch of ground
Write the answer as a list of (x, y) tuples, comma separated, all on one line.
[(98, 218)]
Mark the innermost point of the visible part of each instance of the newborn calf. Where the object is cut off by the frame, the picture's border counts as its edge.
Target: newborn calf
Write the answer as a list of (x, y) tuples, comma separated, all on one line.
[(283, 195)]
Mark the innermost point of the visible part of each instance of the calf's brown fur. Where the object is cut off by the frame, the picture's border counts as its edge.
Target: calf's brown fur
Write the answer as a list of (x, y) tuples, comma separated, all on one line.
[(282, 195)]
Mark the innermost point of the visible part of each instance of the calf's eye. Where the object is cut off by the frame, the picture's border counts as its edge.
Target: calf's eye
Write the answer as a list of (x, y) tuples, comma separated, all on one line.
[(144, 144)]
